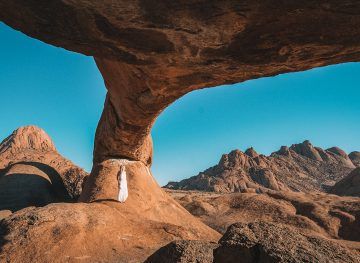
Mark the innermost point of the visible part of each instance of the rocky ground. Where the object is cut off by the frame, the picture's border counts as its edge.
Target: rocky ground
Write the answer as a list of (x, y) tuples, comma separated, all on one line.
[(315, 227), (257, 242)]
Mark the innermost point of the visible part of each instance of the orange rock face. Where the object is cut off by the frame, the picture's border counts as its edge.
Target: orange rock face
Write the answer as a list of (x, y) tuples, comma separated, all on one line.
[(27, 138), (96, 232)]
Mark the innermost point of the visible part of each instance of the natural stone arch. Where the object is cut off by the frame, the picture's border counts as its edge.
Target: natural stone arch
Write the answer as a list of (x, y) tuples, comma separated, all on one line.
[(152, 52)]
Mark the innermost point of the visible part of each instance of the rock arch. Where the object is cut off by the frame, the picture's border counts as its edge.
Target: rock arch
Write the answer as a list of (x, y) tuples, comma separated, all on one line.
[(152, 52)]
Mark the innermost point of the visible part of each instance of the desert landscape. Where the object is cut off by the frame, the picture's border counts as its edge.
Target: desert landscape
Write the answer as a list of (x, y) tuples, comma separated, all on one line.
[(301, 203)]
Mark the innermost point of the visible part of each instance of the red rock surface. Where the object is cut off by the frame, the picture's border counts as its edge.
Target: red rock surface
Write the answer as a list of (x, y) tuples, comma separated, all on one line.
[(27, 138), (302, 167), (96, 232)]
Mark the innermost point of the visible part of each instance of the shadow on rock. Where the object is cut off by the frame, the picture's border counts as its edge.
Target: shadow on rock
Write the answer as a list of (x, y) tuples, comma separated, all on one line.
[(27, 184)]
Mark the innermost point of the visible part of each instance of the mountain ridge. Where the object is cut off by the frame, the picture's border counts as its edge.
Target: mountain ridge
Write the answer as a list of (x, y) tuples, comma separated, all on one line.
[(300, 167)]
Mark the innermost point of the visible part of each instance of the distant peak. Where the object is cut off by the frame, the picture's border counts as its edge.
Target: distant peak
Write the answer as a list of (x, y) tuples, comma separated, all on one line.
[(337, 151), (355, 158), (306, 142), (251, 152), (27, 137), (284, 150), (306, 149)]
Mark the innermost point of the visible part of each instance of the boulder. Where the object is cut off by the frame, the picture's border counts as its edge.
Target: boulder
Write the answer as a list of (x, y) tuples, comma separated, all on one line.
[(349, 185), (33, 173), (355, 158), (184, 251), (268, 242)]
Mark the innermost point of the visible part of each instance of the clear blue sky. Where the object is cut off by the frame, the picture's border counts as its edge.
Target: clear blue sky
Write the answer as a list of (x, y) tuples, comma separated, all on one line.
[(63, 93)]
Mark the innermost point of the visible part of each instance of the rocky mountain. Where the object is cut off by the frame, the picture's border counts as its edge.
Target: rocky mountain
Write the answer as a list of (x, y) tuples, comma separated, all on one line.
[(33, 173), (301, 167)]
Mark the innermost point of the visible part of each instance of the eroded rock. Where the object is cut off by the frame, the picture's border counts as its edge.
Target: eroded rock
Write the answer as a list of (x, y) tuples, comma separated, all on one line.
[(33, 173), (184, 251), (327, 215), (267, 242)]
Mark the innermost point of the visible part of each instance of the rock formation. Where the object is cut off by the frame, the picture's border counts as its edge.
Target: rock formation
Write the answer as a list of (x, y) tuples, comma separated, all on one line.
[(152, 52), (355, 158), (302, 167), (267, 242), (104, 230), (33, 173), (184, 251), (349, 185)]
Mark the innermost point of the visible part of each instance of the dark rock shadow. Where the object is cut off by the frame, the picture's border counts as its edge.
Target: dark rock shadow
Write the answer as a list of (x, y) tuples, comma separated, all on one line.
[(4, 230), (349, 229), (20, 190)]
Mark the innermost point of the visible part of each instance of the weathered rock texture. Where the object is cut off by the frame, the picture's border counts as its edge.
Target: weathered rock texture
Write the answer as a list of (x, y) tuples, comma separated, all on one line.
[(267, 242), (327, 215), (257, 242), (349, 186), (302, 167), (152, 52), (33, 173), (184, 251), (355, 158)]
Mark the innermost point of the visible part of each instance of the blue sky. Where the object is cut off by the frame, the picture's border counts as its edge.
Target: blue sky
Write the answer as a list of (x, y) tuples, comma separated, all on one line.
[(63, 93)]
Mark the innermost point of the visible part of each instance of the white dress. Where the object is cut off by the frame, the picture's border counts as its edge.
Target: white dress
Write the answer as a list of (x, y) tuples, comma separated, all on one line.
[(123, 188)]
